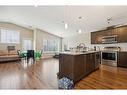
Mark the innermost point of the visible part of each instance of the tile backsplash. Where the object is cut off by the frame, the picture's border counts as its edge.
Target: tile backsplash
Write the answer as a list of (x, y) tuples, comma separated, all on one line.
[(123, 46)]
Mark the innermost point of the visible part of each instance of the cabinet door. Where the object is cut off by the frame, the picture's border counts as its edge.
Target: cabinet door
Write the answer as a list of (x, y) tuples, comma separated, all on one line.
[(99, 37), (66, 66), (122, 59), (107, 32), (79, 67), (87, 56), (92, 60), (114, 32), (90, 63), (97, 60), (122, 34), (94, 38)]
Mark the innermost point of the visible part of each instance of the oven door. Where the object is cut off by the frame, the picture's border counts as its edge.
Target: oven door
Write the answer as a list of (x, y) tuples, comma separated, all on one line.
[(109, 58)]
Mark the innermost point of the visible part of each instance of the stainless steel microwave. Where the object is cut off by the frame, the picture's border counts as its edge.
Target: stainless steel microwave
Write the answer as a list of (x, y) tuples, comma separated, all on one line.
[(109, 39)]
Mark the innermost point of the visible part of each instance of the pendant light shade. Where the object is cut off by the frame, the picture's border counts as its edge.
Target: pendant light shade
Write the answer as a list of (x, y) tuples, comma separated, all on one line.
[(66, 26), (79, 31)]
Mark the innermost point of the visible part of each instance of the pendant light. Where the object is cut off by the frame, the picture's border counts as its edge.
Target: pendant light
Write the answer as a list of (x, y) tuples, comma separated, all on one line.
[(66, 25), (80, 31), (66, 17)]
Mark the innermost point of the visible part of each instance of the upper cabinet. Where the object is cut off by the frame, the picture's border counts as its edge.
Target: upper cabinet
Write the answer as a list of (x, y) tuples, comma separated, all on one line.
[(122, 34), (96, 37)]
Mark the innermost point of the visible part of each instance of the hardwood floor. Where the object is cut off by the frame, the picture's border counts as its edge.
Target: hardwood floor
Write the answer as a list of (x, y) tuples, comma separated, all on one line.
[(40, 75), (43, 75), (105, 78)]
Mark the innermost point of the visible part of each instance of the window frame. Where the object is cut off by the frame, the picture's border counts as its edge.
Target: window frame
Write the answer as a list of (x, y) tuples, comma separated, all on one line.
[(23, 43), (6, 42), (48, 51)]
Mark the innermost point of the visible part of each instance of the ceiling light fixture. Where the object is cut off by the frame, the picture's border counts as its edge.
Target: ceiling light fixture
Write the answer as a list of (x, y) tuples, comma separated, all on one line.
[(35, 5), (66, 26), (79, 31), (80, 17), (109, 20)]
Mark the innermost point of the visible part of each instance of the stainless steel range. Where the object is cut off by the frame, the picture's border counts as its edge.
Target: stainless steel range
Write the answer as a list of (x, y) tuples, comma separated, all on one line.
[(109, 56)]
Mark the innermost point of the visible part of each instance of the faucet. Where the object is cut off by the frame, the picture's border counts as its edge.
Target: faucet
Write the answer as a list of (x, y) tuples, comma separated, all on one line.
[(81, 46)]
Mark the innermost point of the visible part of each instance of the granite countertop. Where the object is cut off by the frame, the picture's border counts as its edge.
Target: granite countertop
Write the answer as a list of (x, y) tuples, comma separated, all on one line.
[(78, 53)]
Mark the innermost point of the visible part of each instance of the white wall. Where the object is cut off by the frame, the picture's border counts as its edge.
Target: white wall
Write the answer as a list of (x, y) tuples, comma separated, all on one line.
[(36, 36), (85, 38), (25, 33), (74, 41), (40, 35)]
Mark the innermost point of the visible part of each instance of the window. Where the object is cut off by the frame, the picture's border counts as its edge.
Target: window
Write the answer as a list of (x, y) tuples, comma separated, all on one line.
[(50, 45), (27, 44), (9, 36)]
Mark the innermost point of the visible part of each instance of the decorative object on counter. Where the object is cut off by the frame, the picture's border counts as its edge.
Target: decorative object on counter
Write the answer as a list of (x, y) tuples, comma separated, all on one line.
[(98, 48), (95, 48), (65, 83)]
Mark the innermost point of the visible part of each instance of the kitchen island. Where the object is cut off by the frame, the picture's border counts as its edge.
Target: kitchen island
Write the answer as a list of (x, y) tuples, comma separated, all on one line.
[(77, 65)]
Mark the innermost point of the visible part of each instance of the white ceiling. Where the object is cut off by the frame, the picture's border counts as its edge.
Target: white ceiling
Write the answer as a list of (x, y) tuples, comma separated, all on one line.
[(49, 18)]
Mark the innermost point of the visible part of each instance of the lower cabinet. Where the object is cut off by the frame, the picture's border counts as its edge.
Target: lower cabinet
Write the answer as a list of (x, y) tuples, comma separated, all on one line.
[(79, 67), (89, 62), (97, 59), (122, 59), (76, 67)]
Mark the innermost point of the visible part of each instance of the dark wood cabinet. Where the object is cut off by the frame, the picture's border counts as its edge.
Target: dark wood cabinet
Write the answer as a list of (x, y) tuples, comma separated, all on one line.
[(76, 67), (114, 32), (65, 66), (97, 59), (90, 63), (107, 32), (110, 32), (122, 34), (96, 37), (122, 59), (71, 66), (79, 67)]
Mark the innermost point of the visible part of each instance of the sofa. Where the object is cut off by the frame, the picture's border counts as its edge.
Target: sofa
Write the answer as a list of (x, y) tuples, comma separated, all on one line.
[(7, 56)]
